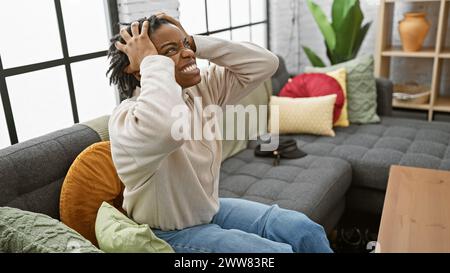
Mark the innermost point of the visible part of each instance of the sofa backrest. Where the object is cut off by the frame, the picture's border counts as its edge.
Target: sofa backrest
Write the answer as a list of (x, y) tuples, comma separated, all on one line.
[(281, 76), (32, 172)]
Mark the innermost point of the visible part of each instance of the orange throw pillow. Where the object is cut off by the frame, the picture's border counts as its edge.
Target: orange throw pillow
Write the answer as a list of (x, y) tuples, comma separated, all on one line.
[(91, 179)]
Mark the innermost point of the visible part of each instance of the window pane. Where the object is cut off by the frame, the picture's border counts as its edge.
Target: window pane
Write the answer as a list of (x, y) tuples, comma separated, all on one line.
[(95, 97), (29, 32), (259, 34), (136, 9), (258, 10), (4, 135), (226, 35), (40, 102), (240, 13), (192, 16), (218, 14), (85, 24), (241, 34)]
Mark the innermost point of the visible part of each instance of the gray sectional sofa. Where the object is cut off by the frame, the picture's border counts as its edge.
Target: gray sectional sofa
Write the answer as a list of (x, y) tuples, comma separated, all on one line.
[(350, 169)]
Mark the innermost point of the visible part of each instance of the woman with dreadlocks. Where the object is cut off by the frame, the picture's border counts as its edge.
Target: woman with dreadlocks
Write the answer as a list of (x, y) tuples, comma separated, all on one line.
[(171, 184)]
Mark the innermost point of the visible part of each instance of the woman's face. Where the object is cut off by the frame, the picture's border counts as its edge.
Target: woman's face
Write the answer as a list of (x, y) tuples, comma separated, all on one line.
[(170, 42)]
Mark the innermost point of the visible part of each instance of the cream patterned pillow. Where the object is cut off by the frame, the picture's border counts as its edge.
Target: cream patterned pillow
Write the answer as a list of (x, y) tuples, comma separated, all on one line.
[(312, 115)]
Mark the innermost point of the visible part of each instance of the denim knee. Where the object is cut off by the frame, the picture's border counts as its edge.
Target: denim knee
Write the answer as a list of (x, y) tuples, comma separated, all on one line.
[(303, 234)]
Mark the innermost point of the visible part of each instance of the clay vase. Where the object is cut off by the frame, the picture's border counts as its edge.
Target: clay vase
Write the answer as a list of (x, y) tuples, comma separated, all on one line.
[(413, 30)]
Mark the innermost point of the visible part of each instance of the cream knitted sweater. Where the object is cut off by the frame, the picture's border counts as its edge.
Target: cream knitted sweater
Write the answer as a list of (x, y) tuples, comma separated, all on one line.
[(173, 184)]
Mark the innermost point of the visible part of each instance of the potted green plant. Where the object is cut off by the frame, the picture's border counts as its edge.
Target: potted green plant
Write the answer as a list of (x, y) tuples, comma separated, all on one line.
[(343, 35)]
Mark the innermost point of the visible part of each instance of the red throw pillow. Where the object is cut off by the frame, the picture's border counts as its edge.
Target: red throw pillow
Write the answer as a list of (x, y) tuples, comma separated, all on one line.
[(315, 85)]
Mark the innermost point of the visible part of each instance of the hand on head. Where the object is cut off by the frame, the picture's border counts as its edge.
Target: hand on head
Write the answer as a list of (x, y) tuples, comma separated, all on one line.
[(137, 45), (160, 35)]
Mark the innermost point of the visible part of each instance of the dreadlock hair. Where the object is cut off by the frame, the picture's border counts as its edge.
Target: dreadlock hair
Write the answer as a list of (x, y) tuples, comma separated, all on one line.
[(127, 83)]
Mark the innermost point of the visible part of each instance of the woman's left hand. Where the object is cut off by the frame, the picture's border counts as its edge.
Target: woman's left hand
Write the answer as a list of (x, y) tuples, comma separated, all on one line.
[(162, 15)]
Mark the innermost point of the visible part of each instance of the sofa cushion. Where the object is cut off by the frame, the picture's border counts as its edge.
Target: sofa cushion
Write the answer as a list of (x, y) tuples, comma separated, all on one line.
[(312, 185), (91, 179), (28, 232), (371, 149)]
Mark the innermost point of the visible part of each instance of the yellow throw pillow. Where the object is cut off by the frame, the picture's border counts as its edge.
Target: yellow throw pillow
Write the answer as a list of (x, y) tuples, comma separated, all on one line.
[(340, 76), (312, 115)]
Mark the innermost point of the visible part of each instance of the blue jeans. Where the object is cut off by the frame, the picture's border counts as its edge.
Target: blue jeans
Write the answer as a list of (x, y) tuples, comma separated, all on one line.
[(246, 226)]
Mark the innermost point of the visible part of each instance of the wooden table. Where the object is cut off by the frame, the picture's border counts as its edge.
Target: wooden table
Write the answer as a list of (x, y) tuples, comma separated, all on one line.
[(416, 212)]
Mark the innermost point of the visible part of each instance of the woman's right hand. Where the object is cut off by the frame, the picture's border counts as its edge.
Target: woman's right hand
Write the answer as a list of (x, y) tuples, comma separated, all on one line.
[(137, 46)]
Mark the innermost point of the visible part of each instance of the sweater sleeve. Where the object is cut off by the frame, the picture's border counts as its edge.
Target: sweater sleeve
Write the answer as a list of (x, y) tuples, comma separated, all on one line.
[(140, 129), (238, 67)]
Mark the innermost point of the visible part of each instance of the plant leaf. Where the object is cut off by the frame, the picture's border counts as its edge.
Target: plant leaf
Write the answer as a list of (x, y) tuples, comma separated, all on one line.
[(331, 57), (360, 38), (315, 60), (323, 23), (340, 10), (347, 34)]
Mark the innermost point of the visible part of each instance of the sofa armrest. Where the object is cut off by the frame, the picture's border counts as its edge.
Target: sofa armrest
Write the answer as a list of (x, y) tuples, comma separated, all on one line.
[(385, 89)]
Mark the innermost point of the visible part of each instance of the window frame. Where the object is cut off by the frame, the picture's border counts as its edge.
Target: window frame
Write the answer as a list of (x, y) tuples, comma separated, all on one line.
[(266, 21), (66, 61)]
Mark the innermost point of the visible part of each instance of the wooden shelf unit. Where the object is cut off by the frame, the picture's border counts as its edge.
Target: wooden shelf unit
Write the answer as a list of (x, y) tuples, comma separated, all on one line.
[(411, 105), (442, 104), (398, 52), (438, 54)]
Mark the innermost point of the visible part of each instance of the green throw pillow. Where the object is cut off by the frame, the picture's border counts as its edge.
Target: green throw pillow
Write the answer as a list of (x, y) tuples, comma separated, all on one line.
[(28, 232), (116, 232), (361, 88)]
